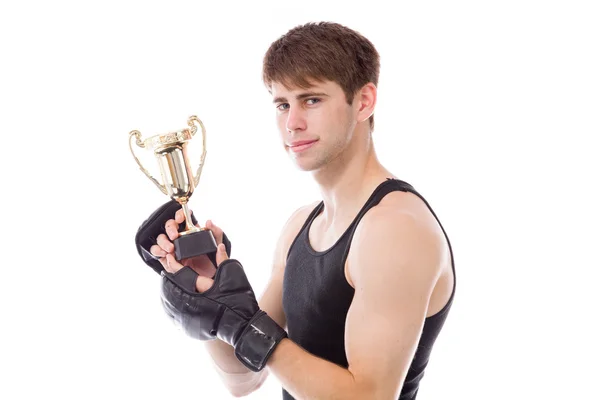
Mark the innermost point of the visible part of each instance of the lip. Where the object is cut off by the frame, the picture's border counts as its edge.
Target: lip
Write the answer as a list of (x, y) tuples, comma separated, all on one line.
[(301, 142), (301, 145)]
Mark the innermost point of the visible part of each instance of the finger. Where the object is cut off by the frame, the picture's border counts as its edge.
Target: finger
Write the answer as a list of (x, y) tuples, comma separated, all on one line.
[(221, 254), (217, 232), (180, 216), (203, 284), (164, 243), (156, 251), (163, 262), (172, 229), (172, 265)]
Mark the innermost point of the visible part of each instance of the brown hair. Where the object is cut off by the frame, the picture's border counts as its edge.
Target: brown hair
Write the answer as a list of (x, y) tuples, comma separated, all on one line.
[(322, 51)]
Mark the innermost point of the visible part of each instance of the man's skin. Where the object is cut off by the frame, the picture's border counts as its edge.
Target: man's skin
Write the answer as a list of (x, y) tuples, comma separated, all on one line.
[(399, 262)]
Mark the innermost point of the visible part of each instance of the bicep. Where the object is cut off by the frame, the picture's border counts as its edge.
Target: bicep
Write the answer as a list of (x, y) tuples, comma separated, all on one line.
[(393, 281), (382, 332)]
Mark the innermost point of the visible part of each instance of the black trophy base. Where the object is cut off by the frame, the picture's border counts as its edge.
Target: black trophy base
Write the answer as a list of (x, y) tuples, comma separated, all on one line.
[(194, 244)]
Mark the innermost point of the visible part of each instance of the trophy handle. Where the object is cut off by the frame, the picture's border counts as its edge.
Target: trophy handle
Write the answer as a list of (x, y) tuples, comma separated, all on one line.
[(139, 142), (203, 156)]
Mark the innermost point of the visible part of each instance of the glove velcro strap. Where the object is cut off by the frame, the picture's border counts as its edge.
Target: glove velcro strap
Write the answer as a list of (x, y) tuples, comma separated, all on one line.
[(258, 341)]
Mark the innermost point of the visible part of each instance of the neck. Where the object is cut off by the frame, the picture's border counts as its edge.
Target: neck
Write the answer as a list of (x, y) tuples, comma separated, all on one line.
[(347, 182)]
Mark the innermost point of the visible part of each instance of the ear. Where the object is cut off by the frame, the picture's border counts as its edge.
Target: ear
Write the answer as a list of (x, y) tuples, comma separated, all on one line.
[(365, 99)]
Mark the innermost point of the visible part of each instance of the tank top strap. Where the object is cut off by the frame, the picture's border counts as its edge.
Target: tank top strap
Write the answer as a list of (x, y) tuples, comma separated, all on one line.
[(313, 214), (387, 186), (307, 222)]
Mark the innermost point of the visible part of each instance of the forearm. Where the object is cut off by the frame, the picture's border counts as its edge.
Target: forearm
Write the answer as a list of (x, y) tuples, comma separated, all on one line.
[(237, 378), (223, 356), (308, 377)]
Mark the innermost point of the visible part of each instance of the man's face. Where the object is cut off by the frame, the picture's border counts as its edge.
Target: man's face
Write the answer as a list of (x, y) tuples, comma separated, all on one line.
[(319, 114)]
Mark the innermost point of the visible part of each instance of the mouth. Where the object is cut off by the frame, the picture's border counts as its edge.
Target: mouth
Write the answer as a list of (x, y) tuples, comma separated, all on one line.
[(302, 146)]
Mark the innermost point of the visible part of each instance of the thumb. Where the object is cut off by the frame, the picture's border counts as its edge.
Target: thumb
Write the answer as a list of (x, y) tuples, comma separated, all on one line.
[(203, 284), (172, 265), (221, 254)]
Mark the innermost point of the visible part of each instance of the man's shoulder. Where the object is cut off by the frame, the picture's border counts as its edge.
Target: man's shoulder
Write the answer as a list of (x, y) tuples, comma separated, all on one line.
[(400, 226), (399, 207)]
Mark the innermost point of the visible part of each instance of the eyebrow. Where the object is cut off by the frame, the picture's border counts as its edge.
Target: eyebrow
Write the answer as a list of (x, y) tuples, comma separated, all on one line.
[(301, 96)]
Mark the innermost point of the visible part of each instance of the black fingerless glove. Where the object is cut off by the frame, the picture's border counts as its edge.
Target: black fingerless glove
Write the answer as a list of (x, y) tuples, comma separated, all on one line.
[(152, 227), (228, 311)]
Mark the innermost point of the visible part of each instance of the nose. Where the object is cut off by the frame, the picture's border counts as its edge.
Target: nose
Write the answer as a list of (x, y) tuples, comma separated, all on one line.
[(296, 120)]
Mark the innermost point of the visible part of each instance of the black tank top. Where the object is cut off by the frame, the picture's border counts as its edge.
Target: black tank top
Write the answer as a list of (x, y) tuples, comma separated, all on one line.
[(316, 295)]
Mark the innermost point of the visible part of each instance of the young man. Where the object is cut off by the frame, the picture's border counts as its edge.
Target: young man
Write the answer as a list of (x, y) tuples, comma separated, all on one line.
[(362, 280)]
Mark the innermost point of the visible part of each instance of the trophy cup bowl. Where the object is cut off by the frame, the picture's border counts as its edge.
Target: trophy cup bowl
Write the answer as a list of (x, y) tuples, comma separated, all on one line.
[(179, 182)]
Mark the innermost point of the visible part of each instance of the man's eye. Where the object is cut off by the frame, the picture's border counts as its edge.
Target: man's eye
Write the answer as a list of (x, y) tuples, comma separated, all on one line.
[(314, 100), (283, 106)]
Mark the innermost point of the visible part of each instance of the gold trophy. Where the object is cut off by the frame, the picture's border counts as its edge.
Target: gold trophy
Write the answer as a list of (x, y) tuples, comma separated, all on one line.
[(179, 182)]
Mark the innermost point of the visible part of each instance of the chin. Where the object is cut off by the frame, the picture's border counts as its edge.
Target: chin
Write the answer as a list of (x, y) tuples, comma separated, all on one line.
[(304, 168), (307, 165)]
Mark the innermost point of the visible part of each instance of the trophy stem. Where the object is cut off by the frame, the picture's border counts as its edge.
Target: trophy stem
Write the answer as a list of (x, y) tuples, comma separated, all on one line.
[(189, 226)]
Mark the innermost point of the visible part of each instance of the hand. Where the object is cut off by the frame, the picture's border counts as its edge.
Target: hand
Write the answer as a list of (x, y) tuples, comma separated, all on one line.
[(148, 232), (225, 308), (228, 310), (203, 283), (202, 265)]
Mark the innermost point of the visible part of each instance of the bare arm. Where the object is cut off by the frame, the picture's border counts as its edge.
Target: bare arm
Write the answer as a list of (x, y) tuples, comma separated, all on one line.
[(239, 380), (394, 270)]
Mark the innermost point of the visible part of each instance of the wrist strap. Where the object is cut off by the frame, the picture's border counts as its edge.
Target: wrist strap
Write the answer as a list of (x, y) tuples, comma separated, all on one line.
[(258, 341)]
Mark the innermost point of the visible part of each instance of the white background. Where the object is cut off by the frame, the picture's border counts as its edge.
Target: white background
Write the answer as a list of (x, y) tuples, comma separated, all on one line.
[(490, 109)]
